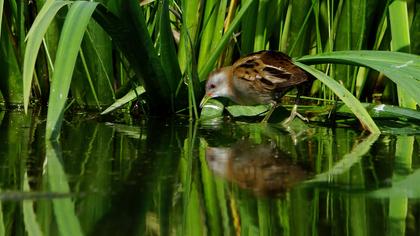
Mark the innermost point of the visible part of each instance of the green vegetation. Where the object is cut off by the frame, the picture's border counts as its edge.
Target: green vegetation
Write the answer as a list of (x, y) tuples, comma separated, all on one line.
[(111, 179), (83, 54)]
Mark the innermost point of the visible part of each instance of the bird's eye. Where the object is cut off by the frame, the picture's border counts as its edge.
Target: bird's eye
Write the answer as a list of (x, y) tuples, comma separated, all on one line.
[(212, 86)]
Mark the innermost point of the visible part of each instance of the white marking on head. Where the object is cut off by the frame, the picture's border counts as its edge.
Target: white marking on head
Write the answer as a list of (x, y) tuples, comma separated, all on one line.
[(218, 85)]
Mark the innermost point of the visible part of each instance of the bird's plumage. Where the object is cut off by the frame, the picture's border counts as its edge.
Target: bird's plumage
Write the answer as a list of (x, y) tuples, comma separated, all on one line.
[(259, 78)]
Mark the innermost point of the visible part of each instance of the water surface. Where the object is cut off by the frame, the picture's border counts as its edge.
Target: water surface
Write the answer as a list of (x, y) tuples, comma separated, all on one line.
[(175, 177)]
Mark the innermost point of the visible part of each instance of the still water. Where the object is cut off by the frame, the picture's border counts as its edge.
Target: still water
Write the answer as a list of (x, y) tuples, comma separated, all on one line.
[(184, 178)]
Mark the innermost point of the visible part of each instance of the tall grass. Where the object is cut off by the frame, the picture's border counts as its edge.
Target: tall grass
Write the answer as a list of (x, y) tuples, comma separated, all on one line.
[(169, 46)]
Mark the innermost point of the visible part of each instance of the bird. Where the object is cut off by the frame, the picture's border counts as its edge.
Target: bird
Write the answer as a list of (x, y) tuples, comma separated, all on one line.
[(262, 77), (263, 168)]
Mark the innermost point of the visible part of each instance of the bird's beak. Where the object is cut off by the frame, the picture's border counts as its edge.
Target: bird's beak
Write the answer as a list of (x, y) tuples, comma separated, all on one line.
[(204, 100)]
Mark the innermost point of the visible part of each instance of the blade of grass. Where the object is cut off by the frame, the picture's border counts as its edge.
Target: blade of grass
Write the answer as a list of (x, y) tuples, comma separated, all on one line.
[(297, 33), (248, 28), (34, 40), (209, 192), (261, 30), (191, 18), (64, 209), (91, 86), (130, 96), (348, 160), (29, 217), (223, 41), (10, 66), (402, 68), (348, 98), (104, 63), (70, 40), (1, 13), (400, 32), (284, 33), (89, 79), (127, 27), (218, 28), (2, 228), (209, 23), (168, 55), (398, 205), (415, 33)]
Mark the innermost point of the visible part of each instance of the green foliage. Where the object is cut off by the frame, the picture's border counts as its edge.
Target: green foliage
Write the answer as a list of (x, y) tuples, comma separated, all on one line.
[(68, 48), (64, 209), (402, 68), (169, 47), (221, 179), (352, 102), (130, 96), (127, 28), (35, 37)]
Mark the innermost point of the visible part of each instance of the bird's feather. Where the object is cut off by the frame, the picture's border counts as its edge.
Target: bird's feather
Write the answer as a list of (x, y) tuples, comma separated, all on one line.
[(269, 70)]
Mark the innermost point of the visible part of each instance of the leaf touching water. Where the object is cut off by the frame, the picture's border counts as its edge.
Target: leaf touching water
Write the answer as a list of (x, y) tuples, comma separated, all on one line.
[(402, 68), (237, 110), (130, 96), (68, 48), (348, 98)]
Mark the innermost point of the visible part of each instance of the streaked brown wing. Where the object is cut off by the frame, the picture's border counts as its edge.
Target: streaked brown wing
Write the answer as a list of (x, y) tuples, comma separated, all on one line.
[(269, 71)]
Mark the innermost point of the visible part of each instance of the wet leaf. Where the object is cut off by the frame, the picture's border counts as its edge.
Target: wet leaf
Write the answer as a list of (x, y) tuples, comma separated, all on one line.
[(348, 98), (130, 96), (238, 110), (402, 68), (212, 109), (384, 111)]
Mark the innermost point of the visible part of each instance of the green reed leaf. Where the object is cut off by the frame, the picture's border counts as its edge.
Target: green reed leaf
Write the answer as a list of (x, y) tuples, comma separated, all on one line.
[(35, 36), (64, 209), (223, 41), (68, 48), (130, 96), (348, 98), (402, 68)]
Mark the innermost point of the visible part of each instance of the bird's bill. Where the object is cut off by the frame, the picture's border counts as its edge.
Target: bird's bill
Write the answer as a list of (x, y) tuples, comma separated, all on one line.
[(204, 100)]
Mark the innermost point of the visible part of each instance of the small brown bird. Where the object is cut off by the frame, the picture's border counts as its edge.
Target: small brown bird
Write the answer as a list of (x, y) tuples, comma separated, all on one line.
[(262, 77), (262, 168)]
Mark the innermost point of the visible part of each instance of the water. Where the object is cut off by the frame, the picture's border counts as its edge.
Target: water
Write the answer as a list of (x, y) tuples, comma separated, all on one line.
[(182, 178)]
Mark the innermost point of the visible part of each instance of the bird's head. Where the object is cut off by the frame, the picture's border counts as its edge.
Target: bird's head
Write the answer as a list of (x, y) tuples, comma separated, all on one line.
[(218, 85)]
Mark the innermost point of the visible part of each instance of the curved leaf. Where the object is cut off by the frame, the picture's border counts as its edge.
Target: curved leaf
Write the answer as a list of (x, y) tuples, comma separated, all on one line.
[(68, 47), (402, 68), (223, 41), (34, 37), (348, 98), (130, 96), (64, 209)]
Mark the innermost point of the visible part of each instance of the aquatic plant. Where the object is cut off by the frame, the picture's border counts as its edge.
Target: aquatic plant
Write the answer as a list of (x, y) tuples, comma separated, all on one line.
[(168, 48)]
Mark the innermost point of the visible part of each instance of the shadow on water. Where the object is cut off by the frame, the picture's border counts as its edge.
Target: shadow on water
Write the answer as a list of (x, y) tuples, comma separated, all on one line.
[(182, 178)]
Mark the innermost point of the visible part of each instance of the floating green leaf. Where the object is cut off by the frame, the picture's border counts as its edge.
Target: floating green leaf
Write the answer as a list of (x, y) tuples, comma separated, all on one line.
[(212, 109), (238, 110)]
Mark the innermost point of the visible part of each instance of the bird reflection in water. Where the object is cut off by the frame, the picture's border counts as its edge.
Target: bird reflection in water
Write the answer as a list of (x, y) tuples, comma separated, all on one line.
[(262, 168)]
